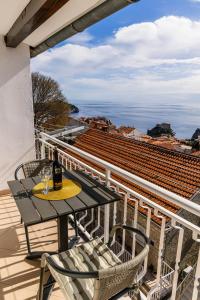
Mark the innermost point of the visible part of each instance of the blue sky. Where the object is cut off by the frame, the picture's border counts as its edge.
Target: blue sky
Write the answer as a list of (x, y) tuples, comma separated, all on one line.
[(147, 52), (145, 11)]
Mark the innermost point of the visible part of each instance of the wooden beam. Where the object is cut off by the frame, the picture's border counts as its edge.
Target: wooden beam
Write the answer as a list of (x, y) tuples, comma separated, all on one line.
[(34, 15), (93, 16)]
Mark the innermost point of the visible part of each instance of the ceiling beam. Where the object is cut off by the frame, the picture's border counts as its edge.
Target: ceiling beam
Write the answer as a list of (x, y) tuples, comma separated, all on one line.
[(100, 12), (34, 15)]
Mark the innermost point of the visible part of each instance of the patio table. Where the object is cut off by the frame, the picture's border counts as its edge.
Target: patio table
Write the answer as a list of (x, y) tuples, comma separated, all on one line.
[(34, 210)]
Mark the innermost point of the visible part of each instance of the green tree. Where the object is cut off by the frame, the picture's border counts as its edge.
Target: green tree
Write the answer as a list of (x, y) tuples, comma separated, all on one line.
[(51, 109), (196, 145), (161, 129)]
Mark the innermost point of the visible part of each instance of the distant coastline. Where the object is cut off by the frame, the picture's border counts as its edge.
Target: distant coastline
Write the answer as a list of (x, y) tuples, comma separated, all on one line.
[(73, 109), (184, 119)]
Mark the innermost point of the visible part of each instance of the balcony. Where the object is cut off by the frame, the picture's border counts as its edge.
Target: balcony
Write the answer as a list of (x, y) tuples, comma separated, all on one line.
[(174, 237), (164, 274), (172, 269)]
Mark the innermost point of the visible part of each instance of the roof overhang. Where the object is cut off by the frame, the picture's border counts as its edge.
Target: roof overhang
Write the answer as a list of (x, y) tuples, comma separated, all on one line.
[(43, 23), (32, 16)]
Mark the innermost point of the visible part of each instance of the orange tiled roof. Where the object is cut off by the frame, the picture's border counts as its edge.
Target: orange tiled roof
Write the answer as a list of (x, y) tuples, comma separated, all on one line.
[(172, 170), (126, 130), (165, 203), (166, 144), (196, 153)]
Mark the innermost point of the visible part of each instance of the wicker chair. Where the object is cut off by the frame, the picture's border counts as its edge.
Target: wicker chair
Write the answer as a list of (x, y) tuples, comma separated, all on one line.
[(91, 271), (32, 168)]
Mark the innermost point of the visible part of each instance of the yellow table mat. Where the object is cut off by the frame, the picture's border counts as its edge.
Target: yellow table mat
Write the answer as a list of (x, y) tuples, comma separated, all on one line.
[(70, 189)]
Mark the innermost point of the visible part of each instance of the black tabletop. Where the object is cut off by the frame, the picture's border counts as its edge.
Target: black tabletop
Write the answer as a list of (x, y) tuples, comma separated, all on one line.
[(34, 210)]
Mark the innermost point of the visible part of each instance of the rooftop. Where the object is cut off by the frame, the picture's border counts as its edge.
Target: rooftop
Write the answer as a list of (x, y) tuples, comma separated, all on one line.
[(177, 172)]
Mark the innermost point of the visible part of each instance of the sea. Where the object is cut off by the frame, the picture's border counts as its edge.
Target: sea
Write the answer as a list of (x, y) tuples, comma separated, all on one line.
[(184, 119)]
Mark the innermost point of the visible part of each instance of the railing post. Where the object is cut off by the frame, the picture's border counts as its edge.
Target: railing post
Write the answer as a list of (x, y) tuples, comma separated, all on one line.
[(126, 196), (107, 211), (37, 144), (134, 224), (43, 138), (197, 277), (178, 259), (161, 245), (108, 173), (148, 227)]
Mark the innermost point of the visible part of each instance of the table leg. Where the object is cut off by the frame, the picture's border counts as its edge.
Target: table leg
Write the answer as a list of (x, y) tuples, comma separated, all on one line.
[(62, 233), (33, 254)]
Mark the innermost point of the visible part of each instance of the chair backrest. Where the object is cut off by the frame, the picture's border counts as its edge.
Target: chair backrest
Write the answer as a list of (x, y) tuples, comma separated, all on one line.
[(111, 277), (113, 280), (32, 168)]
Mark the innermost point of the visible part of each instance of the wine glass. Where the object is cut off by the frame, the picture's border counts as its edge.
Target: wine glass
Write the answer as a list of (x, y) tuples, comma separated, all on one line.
[(45, 176)]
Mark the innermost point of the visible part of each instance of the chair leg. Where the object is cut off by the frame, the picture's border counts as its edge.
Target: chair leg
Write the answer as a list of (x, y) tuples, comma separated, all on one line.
[(41, 285), (48, 288), (45, 289), (135, 293), (74, 240), (126, 291), (75, 225)]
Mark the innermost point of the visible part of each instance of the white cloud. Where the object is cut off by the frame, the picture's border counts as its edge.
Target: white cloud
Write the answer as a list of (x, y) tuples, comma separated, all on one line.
[(82, 38), (145, 61)]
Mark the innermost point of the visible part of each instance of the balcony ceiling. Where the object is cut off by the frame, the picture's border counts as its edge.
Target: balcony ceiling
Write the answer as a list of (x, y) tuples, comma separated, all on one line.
[(70, 11), (9, 12), (42, 24)]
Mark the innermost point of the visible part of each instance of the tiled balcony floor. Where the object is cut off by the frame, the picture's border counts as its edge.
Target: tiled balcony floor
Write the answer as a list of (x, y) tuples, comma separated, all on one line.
[(19, 278)]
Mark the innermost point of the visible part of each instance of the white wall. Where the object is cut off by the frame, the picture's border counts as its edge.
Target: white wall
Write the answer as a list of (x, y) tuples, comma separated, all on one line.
[(16, 110)]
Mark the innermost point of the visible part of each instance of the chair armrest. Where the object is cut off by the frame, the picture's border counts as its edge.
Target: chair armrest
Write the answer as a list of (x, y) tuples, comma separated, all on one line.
[(16, 171), (129, 228), (66, 272)]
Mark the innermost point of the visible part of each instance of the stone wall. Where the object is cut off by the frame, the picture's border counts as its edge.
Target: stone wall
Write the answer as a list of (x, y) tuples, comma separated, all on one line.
[(190, 249)]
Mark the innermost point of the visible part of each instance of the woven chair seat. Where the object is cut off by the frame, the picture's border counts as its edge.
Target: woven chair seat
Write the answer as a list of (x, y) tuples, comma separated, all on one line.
[(91, 271), (87, 257)]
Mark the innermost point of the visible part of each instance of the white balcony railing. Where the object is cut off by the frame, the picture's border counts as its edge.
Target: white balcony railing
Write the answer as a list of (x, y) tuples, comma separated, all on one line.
[(98, 221), (164, 285), (185, 283)]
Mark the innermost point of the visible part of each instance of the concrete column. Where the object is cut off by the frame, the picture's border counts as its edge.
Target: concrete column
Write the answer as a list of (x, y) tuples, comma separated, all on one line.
[(16, 110)]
